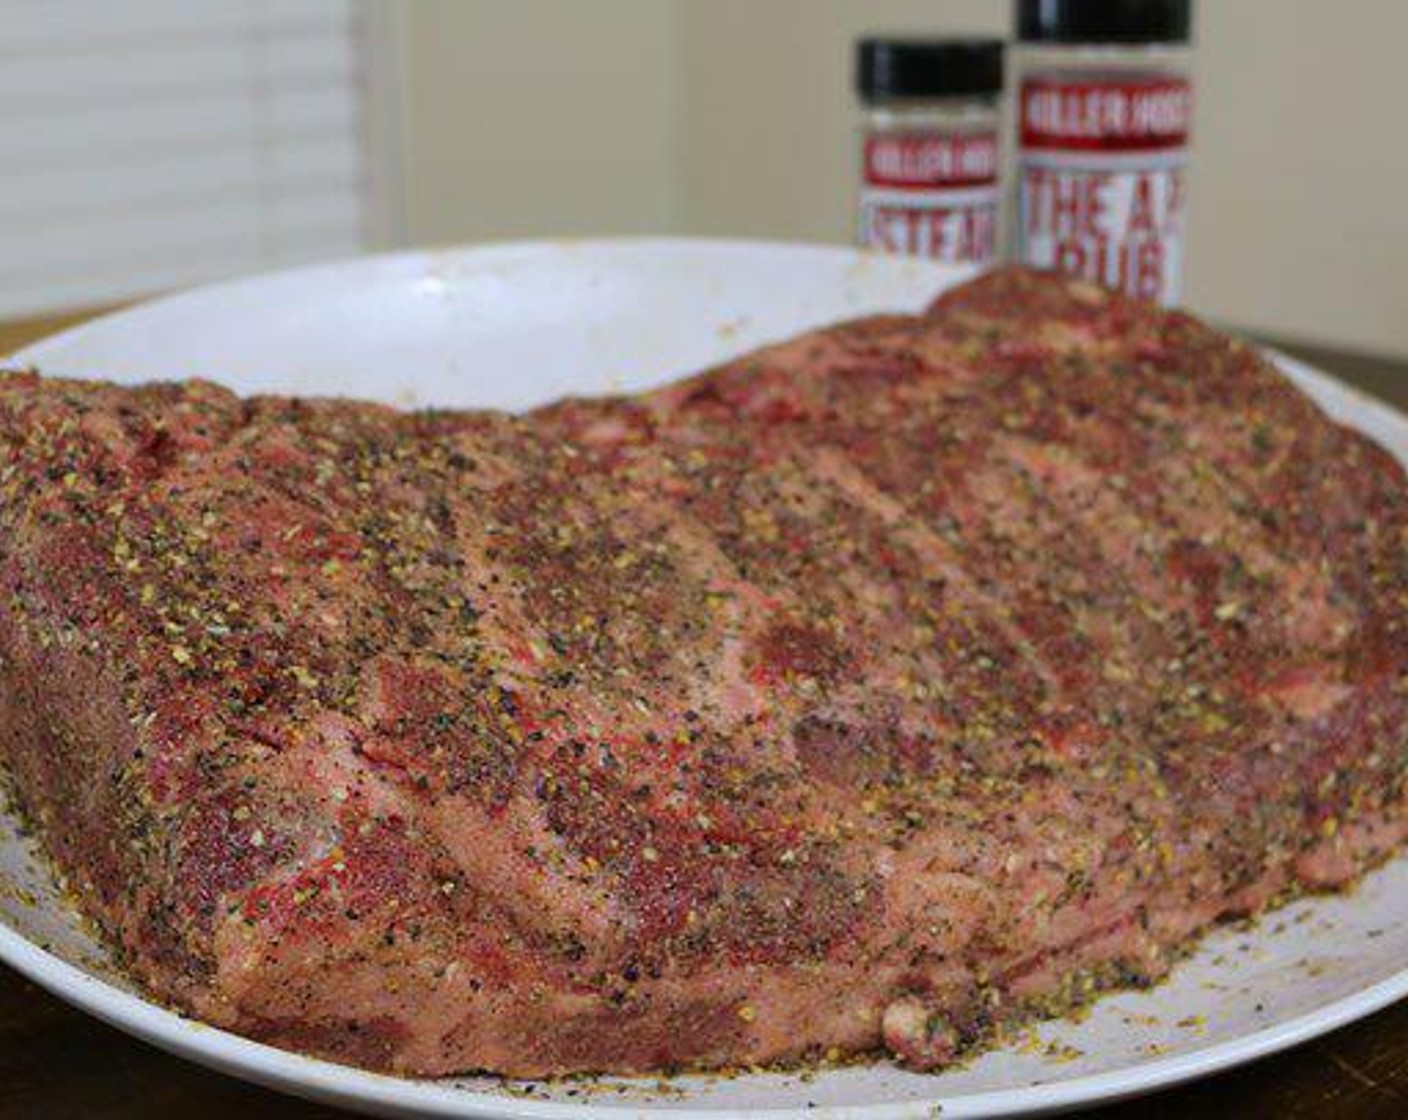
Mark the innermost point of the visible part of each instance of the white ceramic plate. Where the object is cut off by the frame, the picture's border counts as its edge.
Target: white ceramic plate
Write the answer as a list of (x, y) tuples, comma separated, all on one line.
[(513, 325)]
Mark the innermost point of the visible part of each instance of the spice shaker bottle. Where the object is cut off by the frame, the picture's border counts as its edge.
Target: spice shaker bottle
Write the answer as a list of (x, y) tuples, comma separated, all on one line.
[(1103, 114), (929, 146)]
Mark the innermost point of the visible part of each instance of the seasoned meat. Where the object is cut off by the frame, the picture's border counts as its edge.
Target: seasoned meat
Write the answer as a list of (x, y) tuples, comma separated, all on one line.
[(907, 678)]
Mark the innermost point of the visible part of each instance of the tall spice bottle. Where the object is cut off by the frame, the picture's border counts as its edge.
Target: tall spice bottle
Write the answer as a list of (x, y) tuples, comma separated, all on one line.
[(1103, 110)]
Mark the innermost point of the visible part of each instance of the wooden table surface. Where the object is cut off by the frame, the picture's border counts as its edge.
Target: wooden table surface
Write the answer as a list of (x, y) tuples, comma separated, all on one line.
[(57, 1062)]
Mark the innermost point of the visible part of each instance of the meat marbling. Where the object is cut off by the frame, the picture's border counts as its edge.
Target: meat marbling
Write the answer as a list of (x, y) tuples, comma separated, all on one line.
[(882, 686)]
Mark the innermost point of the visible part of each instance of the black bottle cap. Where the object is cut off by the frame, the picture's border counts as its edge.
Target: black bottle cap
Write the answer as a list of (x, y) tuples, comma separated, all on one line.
[(898, 68), (1104, 21)]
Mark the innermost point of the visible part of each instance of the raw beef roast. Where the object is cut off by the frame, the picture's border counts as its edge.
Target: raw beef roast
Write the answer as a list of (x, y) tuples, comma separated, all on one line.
[(885, 685)]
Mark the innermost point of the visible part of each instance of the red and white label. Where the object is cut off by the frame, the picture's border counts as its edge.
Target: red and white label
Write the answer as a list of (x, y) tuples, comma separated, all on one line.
[(1101, 179), (930, 194)]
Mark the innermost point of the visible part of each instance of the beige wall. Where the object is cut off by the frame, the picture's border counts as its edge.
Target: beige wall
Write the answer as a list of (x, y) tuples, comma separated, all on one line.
[(736, 117), (1300, 191), (525, 118)]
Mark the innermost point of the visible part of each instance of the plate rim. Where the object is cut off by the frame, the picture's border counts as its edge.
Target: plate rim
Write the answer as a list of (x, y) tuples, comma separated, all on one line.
[(308, 1077), (426, 258), (317, 1078)]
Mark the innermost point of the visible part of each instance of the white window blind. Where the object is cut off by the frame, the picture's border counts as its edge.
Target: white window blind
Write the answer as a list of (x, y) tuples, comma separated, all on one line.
[(148, 144)]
